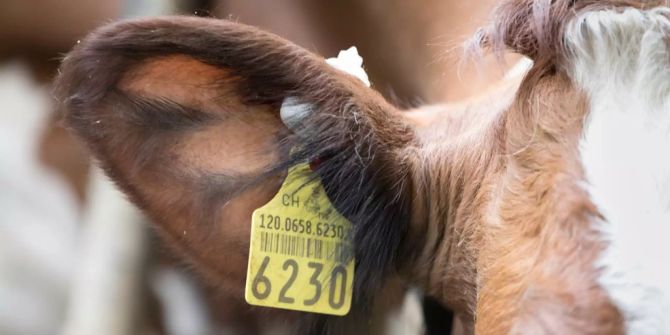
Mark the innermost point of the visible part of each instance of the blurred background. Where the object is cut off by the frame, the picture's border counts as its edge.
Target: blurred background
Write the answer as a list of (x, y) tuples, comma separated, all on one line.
[(76, 258)]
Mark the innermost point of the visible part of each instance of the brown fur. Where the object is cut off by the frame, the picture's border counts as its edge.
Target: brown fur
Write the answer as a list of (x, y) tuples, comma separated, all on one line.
[(184, 117), (519, 231), (479, 203)]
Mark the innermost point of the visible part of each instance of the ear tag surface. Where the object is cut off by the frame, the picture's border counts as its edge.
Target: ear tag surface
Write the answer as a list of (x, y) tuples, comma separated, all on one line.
[(300, 257)]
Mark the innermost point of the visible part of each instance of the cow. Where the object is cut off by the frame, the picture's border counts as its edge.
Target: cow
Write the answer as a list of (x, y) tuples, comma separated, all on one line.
[(524, 209)]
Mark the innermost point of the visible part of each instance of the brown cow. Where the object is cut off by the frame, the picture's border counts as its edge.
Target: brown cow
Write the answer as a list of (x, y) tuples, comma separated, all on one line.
[(484, 204)]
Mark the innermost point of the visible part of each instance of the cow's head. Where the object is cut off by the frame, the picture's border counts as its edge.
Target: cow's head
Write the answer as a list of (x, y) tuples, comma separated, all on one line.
[(482, 203)]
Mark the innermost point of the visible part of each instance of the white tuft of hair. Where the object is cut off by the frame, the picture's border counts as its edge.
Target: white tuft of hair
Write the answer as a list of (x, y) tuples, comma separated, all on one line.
[(621, 59)]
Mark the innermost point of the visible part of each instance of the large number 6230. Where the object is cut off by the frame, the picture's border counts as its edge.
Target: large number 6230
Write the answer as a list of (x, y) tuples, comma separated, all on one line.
[(262, 286)]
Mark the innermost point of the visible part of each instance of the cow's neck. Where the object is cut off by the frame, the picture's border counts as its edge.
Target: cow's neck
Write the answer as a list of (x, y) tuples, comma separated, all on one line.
[(500, 210), (457, 166)]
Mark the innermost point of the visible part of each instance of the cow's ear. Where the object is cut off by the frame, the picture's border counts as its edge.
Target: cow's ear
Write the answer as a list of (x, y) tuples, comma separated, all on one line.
[(184, 114)]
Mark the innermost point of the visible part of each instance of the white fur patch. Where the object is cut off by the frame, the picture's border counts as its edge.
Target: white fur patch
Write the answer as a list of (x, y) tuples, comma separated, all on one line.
[(622, 60)]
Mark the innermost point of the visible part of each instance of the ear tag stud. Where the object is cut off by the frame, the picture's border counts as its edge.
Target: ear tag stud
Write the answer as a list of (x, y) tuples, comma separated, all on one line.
[(300, 257), (293, 111)]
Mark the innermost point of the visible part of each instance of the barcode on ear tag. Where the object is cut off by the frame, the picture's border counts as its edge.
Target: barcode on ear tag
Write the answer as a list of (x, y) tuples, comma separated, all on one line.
[(300, 255)]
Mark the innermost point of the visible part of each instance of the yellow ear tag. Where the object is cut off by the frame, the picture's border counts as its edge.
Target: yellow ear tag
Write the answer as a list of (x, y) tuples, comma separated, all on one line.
[(300, 257)]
